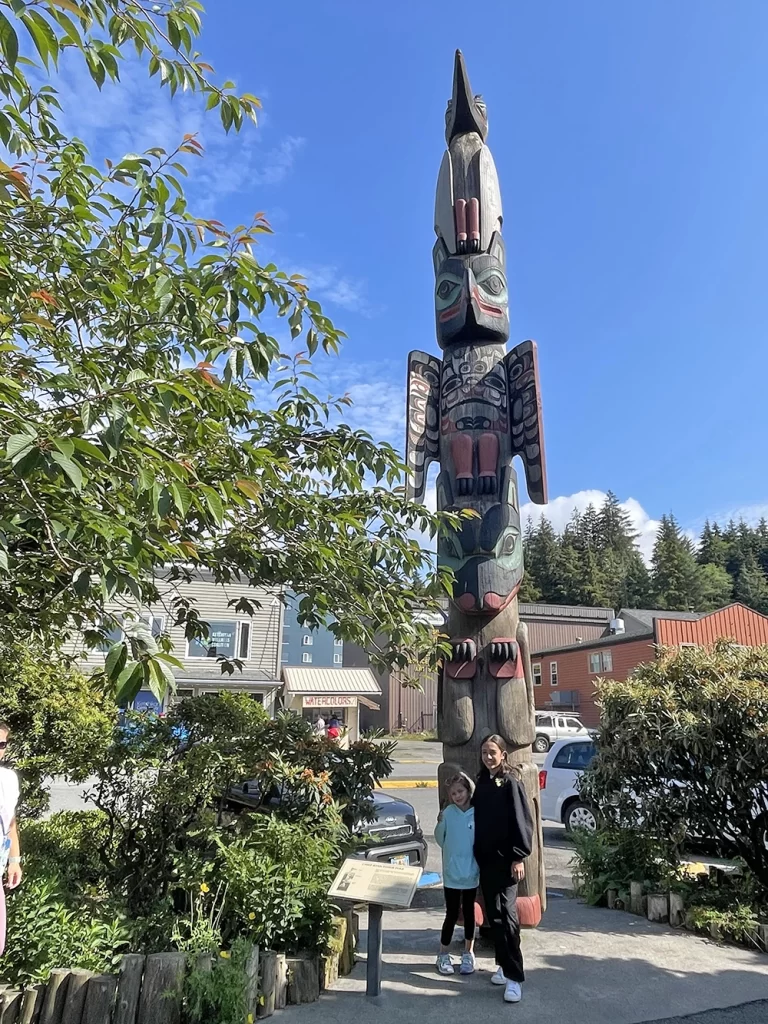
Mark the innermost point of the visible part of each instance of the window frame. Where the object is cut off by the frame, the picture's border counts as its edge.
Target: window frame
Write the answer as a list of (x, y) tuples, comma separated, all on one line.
[(554, 676), (307, 640), (537, 678), (559, 761), (591, 658), (338, 659), (606, 658), (306, 657), (212, 657)]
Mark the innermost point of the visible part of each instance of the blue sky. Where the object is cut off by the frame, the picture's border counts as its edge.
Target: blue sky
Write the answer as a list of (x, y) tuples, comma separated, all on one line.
[(632, 152)]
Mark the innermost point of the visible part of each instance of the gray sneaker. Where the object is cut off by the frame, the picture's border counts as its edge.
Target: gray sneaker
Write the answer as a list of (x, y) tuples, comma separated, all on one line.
[(444, 964), (468, 964)]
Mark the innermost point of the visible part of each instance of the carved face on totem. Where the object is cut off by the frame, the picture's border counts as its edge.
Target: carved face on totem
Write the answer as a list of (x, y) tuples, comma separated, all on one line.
[(471, 298), (486, 553)]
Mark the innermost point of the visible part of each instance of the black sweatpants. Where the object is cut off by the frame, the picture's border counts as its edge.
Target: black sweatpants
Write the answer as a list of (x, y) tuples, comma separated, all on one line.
[(455, 899), (500, 898)]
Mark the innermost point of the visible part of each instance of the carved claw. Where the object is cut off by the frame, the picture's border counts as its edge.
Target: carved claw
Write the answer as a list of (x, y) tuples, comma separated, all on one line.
[(503, 650), (463, 650), (465, 485), (486, 483)]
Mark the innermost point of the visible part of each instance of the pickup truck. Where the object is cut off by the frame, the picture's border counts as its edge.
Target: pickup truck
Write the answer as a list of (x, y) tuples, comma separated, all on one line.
[(552, 726)]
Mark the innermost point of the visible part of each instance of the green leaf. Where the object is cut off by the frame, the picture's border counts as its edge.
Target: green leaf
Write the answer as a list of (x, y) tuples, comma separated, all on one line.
[(128, 682), (17, 446), (89, 449), (3, 560), (71, 468), (215, 507), (86, 414), (9, 41), (182, 497), (43, 36), (116, 658)]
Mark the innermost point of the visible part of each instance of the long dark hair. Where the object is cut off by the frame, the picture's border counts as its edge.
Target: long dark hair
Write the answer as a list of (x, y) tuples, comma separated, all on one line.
[(501, 743)]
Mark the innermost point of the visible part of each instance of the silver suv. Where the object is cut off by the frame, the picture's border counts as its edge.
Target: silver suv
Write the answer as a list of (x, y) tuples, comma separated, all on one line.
[(551, 727)]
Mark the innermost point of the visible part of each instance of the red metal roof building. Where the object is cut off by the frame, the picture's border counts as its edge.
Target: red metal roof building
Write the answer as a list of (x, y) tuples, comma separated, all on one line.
[(565, 676)]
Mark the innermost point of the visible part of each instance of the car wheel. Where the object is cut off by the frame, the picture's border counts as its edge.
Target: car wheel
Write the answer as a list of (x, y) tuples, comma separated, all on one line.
[(541, 744), (580, 815)]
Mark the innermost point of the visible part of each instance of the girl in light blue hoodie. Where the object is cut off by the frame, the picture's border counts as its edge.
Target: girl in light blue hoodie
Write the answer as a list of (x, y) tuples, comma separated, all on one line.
[(455, 834)]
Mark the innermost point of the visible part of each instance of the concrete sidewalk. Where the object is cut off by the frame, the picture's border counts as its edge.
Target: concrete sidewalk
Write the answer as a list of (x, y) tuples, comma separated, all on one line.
[(583, 964)]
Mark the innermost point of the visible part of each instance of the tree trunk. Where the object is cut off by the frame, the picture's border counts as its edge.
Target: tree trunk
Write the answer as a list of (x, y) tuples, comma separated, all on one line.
[(75, 1001), (162, 990), (55, 994), (129, 988)]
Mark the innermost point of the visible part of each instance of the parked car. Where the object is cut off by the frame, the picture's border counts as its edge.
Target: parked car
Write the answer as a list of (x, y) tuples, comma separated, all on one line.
[(561, 799), (551, 727), (395, 836), (559, 784)]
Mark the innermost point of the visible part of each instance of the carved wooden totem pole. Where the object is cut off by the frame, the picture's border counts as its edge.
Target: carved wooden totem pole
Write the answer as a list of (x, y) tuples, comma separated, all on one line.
[(474, 411)]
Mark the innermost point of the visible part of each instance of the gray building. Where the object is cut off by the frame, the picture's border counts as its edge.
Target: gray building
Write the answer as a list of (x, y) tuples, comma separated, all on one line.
[(318, 648), (255, 640)]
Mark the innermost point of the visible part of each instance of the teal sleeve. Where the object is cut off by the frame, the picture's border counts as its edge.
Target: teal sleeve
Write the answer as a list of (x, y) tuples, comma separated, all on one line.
[(440, 833)]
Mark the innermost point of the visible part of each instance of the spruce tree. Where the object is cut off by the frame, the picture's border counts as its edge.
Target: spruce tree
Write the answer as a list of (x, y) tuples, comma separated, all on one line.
[(752, 587), (676, 582)]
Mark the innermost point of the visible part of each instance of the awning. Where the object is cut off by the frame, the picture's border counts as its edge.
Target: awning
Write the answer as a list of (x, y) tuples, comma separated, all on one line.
[(300, 680)]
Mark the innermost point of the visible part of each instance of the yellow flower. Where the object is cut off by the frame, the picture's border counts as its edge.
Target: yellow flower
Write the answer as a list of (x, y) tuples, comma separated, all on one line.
[(251, 916), (225, 955), (204, 887), (250, 1018)]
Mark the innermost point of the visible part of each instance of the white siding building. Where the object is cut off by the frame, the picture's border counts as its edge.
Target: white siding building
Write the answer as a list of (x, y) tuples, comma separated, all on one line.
[(254, 640)]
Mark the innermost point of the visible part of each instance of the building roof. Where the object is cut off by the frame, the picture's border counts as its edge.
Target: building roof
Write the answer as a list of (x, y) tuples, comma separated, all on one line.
[(600, 641), (302, 679), (641, 620), (566, 611)]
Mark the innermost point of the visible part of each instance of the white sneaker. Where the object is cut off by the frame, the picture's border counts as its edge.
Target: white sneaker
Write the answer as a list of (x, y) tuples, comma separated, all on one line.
[(444, 964), (467, 964), (513, 993), (498, 978)]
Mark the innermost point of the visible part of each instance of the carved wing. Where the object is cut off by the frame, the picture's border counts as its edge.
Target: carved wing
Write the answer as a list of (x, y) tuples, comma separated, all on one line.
[(526, 427), (423, 416)]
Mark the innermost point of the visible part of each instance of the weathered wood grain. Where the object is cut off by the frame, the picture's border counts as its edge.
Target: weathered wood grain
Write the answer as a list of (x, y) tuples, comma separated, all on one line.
[(99, 999), (129, 988), (162, 989)]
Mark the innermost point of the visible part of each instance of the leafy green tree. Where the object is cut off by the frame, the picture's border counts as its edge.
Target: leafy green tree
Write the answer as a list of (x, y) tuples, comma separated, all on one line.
[(752, 587), (715, 588), (682, 751), (61, 721), (713, 548), (675, 577), (132, 335)]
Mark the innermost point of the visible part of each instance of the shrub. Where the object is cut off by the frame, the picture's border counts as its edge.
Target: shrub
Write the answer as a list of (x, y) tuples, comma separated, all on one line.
[(46, 930), (612, 858), (61, 720), (682, 750), (67, 846)]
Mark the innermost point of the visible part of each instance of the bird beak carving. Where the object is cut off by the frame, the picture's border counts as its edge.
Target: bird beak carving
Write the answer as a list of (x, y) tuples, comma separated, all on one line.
[(464, 115)]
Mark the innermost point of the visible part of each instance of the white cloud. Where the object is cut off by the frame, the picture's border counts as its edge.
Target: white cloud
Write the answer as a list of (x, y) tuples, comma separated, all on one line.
[(560, 510), (328, 283), (137, 114)]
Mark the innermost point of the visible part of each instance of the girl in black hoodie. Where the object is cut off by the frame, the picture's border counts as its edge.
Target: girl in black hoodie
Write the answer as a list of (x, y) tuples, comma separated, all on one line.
[(503, 839)]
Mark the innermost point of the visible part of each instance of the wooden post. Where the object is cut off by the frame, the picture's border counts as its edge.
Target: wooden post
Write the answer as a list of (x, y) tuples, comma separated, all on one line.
[(266, 1005), (658, 908), (32, 1004), (163, 988), (10, 1006), (75, 1001), (129, 988), (762, 937), (373, 969), (611, 897), (99, 999), (281, 981), (303, 980), (636, 898), (676, 910), (252, 984), (55, 994)]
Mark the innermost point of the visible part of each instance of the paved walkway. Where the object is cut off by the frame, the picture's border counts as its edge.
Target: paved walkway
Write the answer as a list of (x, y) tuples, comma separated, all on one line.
[(583, 964)]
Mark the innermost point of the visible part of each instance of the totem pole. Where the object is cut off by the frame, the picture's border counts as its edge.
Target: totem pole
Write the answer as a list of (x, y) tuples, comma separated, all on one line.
[(473, 412)]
